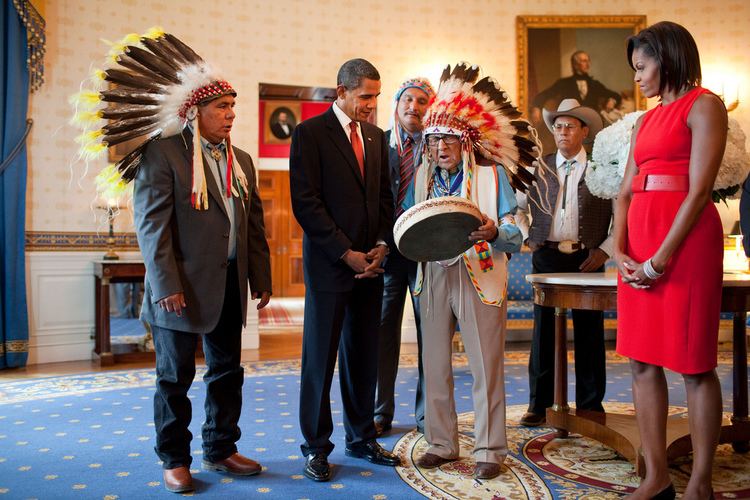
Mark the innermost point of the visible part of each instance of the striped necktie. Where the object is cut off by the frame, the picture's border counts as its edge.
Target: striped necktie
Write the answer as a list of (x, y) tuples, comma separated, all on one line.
[(406, 172)]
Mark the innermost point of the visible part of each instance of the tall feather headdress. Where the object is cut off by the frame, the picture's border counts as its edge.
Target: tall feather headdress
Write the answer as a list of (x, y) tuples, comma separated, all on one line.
[(481, 113), (150, 88)]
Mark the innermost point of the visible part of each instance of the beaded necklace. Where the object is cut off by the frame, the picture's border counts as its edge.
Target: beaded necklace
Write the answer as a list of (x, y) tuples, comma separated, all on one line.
[(440, 186)]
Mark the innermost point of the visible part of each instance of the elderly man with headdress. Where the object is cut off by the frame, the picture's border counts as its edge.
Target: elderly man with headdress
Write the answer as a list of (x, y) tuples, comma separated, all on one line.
[(404, 140), (470, 118), (199, 222)]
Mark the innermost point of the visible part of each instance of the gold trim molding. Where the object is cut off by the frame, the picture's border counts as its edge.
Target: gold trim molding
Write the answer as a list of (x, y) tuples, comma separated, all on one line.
[(38, 241)]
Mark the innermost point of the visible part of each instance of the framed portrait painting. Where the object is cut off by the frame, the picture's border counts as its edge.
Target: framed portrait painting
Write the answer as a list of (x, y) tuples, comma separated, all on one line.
[(579, 57), (279, 120)]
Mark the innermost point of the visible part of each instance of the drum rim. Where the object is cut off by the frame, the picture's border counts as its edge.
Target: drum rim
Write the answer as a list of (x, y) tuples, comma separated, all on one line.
[(431, 202)]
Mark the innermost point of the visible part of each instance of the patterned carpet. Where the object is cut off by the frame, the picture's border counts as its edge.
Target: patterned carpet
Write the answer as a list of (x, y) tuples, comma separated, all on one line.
[(91, 436)]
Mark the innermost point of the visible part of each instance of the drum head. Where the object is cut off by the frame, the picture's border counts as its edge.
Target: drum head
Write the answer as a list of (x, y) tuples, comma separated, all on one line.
[(437, 229)]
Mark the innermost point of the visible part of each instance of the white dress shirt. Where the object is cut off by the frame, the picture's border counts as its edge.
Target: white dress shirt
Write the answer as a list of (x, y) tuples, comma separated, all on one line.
[(345, 121), (564, 224), (219, 173)]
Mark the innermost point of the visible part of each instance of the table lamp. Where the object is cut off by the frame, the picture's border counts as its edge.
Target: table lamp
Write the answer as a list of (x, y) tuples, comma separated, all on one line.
[(112, 208), (735, 260)]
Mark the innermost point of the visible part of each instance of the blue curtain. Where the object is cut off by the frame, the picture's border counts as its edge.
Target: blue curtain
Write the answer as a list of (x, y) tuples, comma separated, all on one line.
[(14, 92)]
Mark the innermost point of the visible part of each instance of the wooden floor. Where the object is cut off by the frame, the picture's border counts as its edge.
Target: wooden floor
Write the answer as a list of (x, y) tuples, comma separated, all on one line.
[(273, 346)]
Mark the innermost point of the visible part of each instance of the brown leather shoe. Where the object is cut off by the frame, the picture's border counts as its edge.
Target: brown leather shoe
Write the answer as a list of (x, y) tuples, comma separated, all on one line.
[(178, 480), (430, 461), (530, 419), (486, 470), (235, 464)]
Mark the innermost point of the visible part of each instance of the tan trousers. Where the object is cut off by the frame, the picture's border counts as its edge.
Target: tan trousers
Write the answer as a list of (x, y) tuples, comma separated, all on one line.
[(448, 296)]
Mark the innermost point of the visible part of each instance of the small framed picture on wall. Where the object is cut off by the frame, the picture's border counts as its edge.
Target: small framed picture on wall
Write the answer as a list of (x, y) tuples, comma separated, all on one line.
[(279, 120)]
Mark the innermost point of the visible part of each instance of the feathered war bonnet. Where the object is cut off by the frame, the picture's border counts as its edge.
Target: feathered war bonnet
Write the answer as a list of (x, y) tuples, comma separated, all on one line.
[(160, 82), (481, 114)]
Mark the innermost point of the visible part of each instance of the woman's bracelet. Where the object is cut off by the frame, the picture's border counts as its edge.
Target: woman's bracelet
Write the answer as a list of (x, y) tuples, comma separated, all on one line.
[(650, 272)]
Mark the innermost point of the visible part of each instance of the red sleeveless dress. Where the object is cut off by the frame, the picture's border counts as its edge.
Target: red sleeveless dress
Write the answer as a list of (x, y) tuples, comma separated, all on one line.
[(675, 322)]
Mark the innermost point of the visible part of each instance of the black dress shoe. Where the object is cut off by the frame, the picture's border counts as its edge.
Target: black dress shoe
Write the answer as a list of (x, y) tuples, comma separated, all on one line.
[(667, 493), (531, 419), (317, 468), (373, 452), (381, 427)]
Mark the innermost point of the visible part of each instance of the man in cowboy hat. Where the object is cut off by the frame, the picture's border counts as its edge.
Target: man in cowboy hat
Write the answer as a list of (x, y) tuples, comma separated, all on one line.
[(575, 238)]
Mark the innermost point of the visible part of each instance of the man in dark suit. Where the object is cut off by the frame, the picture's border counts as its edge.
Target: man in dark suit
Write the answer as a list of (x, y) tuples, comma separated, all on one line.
[(579, 86), (404, 140), (341, 197), (569, 233), (200, 256), (281, 128)]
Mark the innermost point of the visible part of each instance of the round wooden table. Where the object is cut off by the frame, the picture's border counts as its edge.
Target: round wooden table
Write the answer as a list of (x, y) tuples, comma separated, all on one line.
[(598, 291)]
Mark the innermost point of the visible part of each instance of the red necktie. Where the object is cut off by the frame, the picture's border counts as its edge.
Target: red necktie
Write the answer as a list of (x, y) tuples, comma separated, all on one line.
[(406, 171), (357, 147)]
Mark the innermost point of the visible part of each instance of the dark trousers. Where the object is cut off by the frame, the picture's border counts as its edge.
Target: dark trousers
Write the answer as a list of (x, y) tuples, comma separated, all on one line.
[(346, 322), (175, 371), (588, 331), (399, 277)]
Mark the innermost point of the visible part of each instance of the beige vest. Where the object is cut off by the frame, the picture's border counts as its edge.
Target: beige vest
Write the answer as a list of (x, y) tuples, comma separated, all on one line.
[(480, 185)]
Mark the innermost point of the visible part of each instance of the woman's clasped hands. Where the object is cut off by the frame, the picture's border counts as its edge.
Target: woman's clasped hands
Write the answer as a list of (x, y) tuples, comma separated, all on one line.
[(633, 273)]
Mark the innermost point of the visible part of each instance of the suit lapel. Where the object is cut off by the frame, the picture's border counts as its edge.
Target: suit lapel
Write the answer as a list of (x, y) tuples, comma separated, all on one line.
[(371, 166), (211, 187), (342, 143), (394, 162), (239, 201)]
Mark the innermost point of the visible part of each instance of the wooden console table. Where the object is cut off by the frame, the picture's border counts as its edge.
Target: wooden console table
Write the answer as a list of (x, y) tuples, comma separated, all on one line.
[(106, 272), (598, 291)]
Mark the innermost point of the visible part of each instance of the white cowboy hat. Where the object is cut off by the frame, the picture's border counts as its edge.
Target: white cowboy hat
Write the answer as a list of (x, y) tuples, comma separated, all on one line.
[(571, 107)]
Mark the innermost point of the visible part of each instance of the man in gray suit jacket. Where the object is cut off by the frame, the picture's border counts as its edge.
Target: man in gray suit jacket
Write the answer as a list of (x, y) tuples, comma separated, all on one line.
[(199, 260)]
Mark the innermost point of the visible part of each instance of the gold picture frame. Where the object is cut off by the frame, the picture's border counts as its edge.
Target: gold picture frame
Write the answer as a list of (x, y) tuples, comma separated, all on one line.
[(545, 46), (291, 111)]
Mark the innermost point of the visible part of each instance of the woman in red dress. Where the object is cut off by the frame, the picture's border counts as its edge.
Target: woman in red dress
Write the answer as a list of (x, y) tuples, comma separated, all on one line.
[(669, 250)]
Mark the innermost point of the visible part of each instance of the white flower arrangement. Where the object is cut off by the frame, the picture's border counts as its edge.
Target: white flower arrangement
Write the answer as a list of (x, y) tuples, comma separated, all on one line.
[(609, 156), (612, 145), (735, 165)]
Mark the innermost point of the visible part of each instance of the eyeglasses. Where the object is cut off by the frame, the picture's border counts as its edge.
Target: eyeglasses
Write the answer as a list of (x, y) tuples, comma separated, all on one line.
[(434, 139), (559, 127)]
